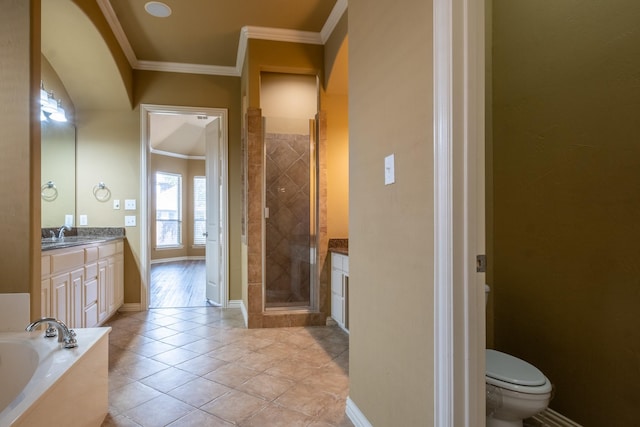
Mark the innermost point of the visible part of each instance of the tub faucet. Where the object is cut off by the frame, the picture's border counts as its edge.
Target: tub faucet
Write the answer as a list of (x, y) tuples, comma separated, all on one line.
[(61, 231), (57, 328)]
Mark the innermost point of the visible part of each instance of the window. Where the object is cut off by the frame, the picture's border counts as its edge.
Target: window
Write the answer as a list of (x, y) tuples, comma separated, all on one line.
[(199, 210), (168, 210)]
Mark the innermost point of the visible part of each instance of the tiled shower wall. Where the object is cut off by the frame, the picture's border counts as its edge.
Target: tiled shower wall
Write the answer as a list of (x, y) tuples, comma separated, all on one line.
[(254, 178), (288, 198)]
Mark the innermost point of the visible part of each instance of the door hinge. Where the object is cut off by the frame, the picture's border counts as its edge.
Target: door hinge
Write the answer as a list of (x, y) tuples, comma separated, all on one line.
[(481, 263)]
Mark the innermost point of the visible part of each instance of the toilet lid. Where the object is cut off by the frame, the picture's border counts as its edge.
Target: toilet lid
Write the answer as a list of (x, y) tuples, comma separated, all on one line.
[(509, 369)]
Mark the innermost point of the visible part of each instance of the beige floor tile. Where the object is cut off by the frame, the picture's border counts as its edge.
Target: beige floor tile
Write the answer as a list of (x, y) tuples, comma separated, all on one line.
[(174, 356), (201, 365), (204, 345), (231, 375), (199, 418), (266, 386), (180, 339), (292, 369), (131, 395), (142, 368), (159, 412), (234, 406), (199, 391), (168, 379), (307, 399), (277, 416)]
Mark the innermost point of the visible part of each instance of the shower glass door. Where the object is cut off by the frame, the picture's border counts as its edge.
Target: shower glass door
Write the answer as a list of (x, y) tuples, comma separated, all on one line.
[(289, 213)]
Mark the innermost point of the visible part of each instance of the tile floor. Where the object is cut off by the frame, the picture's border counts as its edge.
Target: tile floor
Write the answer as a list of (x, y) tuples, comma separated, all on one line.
[(201, 367)]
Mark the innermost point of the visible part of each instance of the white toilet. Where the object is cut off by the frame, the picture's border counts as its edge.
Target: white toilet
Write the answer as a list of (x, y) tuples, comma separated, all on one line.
[(516, 390)]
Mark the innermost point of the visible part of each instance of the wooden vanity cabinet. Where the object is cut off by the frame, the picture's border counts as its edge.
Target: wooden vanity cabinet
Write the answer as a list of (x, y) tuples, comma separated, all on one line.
[(340, 289), (83, 285)]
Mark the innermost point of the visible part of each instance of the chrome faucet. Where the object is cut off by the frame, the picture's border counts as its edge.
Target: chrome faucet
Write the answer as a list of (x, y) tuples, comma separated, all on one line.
[(61, 231), (57, 328)]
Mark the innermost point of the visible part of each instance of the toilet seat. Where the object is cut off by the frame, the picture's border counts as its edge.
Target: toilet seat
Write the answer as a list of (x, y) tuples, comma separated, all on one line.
[(510, 373)]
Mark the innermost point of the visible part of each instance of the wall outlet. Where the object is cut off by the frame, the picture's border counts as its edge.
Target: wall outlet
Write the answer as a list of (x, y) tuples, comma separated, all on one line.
[(68, 220), (116, 204), (83, 220), (130, 204), (130, 221)]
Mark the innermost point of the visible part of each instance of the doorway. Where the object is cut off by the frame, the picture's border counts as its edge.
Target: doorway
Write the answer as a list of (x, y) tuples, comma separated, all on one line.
[(195, 262)]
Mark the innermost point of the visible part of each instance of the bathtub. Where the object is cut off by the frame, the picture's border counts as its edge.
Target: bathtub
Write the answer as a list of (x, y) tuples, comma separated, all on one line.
[(44, 384)]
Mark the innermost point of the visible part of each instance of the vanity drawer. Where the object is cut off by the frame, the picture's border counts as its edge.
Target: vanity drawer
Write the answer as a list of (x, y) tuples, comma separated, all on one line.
[(67, 261), (90, 254), (106, 250), (45, 265)]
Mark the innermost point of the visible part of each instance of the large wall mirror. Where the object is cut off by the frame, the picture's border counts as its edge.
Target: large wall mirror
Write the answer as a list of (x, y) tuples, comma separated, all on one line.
[(58, 173)]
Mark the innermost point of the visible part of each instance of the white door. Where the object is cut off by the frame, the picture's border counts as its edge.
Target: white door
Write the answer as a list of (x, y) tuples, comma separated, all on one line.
[(214, 226)]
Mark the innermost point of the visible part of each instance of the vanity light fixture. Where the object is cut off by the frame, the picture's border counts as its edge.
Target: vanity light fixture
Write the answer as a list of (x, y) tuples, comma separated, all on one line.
[(50, 108), (59, 115), (157, 9)]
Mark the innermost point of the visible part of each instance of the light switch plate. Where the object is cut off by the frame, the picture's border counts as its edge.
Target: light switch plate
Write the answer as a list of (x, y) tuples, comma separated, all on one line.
[(83, 220), (130, 204), (116, 204), (130, 221), (389, 169)]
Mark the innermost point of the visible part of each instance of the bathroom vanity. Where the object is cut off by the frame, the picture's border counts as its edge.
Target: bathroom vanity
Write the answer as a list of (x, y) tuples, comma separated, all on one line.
[(82, 280), (340, 282)]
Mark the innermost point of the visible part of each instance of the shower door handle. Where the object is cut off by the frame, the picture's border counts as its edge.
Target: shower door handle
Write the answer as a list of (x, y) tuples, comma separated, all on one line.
[(205, 234)]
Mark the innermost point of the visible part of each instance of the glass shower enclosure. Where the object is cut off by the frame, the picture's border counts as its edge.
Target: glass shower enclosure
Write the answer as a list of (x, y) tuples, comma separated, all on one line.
[(290, 220)]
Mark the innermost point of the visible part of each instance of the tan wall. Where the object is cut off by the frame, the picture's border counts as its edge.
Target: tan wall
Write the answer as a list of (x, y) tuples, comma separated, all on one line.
[(188, 169), (337, 108), (108, 151), (566, 176), (20, 145), (391, 227)]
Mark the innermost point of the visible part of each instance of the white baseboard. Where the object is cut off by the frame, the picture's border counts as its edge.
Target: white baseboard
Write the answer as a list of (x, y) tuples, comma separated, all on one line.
[(243, 309), (355, 415), (131, 306), (550, 418), (235, 303), (180, 258)]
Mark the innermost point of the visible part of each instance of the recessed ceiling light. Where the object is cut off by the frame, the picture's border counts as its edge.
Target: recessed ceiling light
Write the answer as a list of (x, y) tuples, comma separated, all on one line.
[(157, 9)]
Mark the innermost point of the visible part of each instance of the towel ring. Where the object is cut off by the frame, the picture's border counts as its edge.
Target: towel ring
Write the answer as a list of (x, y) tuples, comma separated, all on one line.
[(101, 192), (48, 191)]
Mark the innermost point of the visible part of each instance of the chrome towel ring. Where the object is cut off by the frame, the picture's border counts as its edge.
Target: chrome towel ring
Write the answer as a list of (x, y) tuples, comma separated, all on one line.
[(49, 191), (101, 192)]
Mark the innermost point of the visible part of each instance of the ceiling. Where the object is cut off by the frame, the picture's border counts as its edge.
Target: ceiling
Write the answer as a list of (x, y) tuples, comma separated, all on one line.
[(200, 36)]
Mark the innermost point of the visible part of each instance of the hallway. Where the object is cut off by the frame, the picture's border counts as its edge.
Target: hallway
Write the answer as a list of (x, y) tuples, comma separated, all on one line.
[(201, 367), (178, 284)]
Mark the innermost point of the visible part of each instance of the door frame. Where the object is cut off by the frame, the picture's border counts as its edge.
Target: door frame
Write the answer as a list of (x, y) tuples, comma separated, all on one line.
[(145, 192), (459, 221)]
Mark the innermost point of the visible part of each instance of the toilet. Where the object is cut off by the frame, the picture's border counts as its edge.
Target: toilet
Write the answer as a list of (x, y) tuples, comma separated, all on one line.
[(515, 389)]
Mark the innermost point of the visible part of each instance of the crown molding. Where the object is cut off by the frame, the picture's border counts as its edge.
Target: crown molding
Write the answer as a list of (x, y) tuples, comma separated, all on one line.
[(336, 13), (246, 33), (179, 67)]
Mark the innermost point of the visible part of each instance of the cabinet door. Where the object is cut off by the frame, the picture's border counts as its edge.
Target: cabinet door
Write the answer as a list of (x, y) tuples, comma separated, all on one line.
[(60, 290), (118, 281), (111, 294), (336, 308), (91, 302), (45, 298), (103, 303), (76, 308)]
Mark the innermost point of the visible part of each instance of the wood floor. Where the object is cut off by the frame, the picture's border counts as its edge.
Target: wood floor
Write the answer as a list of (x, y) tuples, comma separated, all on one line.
[(178, 284)]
